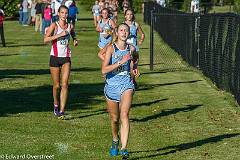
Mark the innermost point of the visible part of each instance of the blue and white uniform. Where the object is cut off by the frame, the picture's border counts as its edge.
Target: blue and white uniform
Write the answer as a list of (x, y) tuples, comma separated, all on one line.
[(104, 37), (96, 10), (119, 80), (132, 39)]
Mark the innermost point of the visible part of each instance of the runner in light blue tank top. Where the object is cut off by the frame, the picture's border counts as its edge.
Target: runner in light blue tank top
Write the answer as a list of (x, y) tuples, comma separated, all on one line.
[(105, 27), (96, 12), (132, 39), (104, 37), (121, 75), (134, 29), (119, 87)]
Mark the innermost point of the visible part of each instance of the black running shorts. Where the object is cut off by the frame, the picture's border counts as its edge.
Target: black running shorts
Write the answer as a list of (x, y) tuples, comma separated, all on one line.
[(58, 61)]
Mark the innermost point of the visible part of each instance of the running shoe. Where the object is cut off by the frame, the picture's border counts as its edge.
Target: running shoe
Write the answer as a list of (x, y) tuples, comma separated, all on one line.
[(56, 113), (61, 116), (114, 148), (124, 153)]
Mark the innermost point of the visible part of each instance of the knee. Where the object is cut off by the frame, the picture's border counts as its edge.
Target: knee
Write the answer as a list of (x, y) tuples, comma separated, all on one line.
[(64, 86), (124, 116), (56, 86), (115, 119)]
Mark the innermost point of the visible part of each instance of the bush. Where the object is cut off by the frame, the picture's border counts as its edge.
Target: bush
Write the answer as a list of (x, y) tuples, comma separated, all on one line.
[(237, 6), (9, 7), (137, 5)]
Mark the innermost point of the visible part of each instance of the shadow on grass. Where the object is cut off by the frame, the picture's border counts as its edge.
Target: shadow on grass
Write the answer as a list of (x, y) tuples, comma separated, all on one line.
[(90, 113), (11, 77), (85, 19), (148, 103), (26, 45), (179, 69), (166, 112), (86, 29), (153, 72), (147, 64), (39, 99), (8, 72), (5, 55), (184, 146), (151, 86), (141, 48)]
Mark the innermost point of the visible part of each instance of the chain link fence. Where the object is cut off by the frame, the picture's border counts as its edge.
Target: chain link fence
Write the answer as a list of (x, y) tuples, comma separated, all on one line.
[(209, 42)]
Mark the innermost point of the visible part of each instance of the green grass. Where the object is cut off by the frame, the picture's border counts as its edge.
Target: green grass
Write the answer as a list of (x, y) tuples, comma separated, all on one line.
[(176, 114), (221, 9)]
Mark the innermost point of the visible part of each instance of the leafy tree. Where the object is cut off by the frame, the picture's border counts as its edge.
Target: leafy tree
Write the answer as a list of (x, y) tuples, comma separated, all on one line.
[(9, 7), (236, 6)]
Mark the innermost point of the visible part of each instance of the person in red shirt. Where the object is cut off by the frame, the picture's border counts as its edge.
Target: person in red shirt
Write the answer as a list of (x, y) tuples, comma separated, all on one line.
[(1, 28)]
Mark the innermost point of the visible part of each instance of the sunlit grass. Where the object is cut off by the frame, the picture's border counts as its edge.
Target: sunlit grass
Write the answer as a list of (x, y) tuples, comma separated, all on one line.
[(176, 115)]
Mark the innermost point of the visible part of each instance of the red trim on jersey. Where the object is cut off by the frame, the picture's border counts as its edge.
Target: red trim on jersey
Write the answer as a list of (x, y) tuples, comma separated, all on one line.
[(54, 42), (55, 50), (68, 51)]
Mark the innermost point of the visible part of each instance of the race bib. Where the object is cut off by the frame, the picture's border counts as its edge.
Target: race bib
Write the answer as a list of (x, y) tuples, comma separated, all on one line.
[(96, 11), (130, 40), (121, 70), (63, 42)]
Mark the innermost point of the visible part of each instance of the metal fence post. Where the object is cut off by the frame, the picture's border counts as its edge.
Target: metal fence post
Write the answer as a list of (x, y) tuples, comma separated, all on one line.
[(198, 36), (198, 41), (151, 41)]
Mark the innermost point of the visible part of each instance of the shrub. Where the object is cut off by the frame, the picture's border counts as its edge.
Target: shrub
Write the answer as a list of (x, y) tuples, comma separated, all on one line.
[(9, 7)]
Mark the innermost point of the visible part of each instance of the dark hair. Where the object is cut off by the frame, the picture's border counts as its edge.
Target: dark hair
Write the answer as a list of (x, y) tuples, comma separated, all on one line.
[(105, 9), (129, 9), (62, 7)]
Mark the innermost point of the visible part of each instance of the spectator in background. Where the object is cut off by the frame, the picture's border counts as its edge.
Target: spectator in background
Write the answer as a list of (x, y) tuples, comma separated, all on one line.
[(25, 12), (33, 12), (20, 7), (1, 27), (72, 15), (47, 18), (161, 3), (38, 19), (43, 7), (55, 4), (194, 6), (29, 11)]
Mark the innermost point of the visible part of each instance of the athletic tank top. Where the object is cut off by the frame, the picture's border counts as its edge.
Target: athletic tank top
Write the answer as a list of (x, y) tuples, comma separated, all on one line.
[(60, 46), (121, 75), (132, 39), (106, 27)]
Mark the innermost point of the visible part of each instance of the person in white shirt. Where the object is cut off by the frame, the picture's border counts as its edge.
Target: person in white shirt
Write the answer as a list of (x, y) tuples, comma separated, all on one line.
[(194, 6), (55, 4), (161, 3)]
